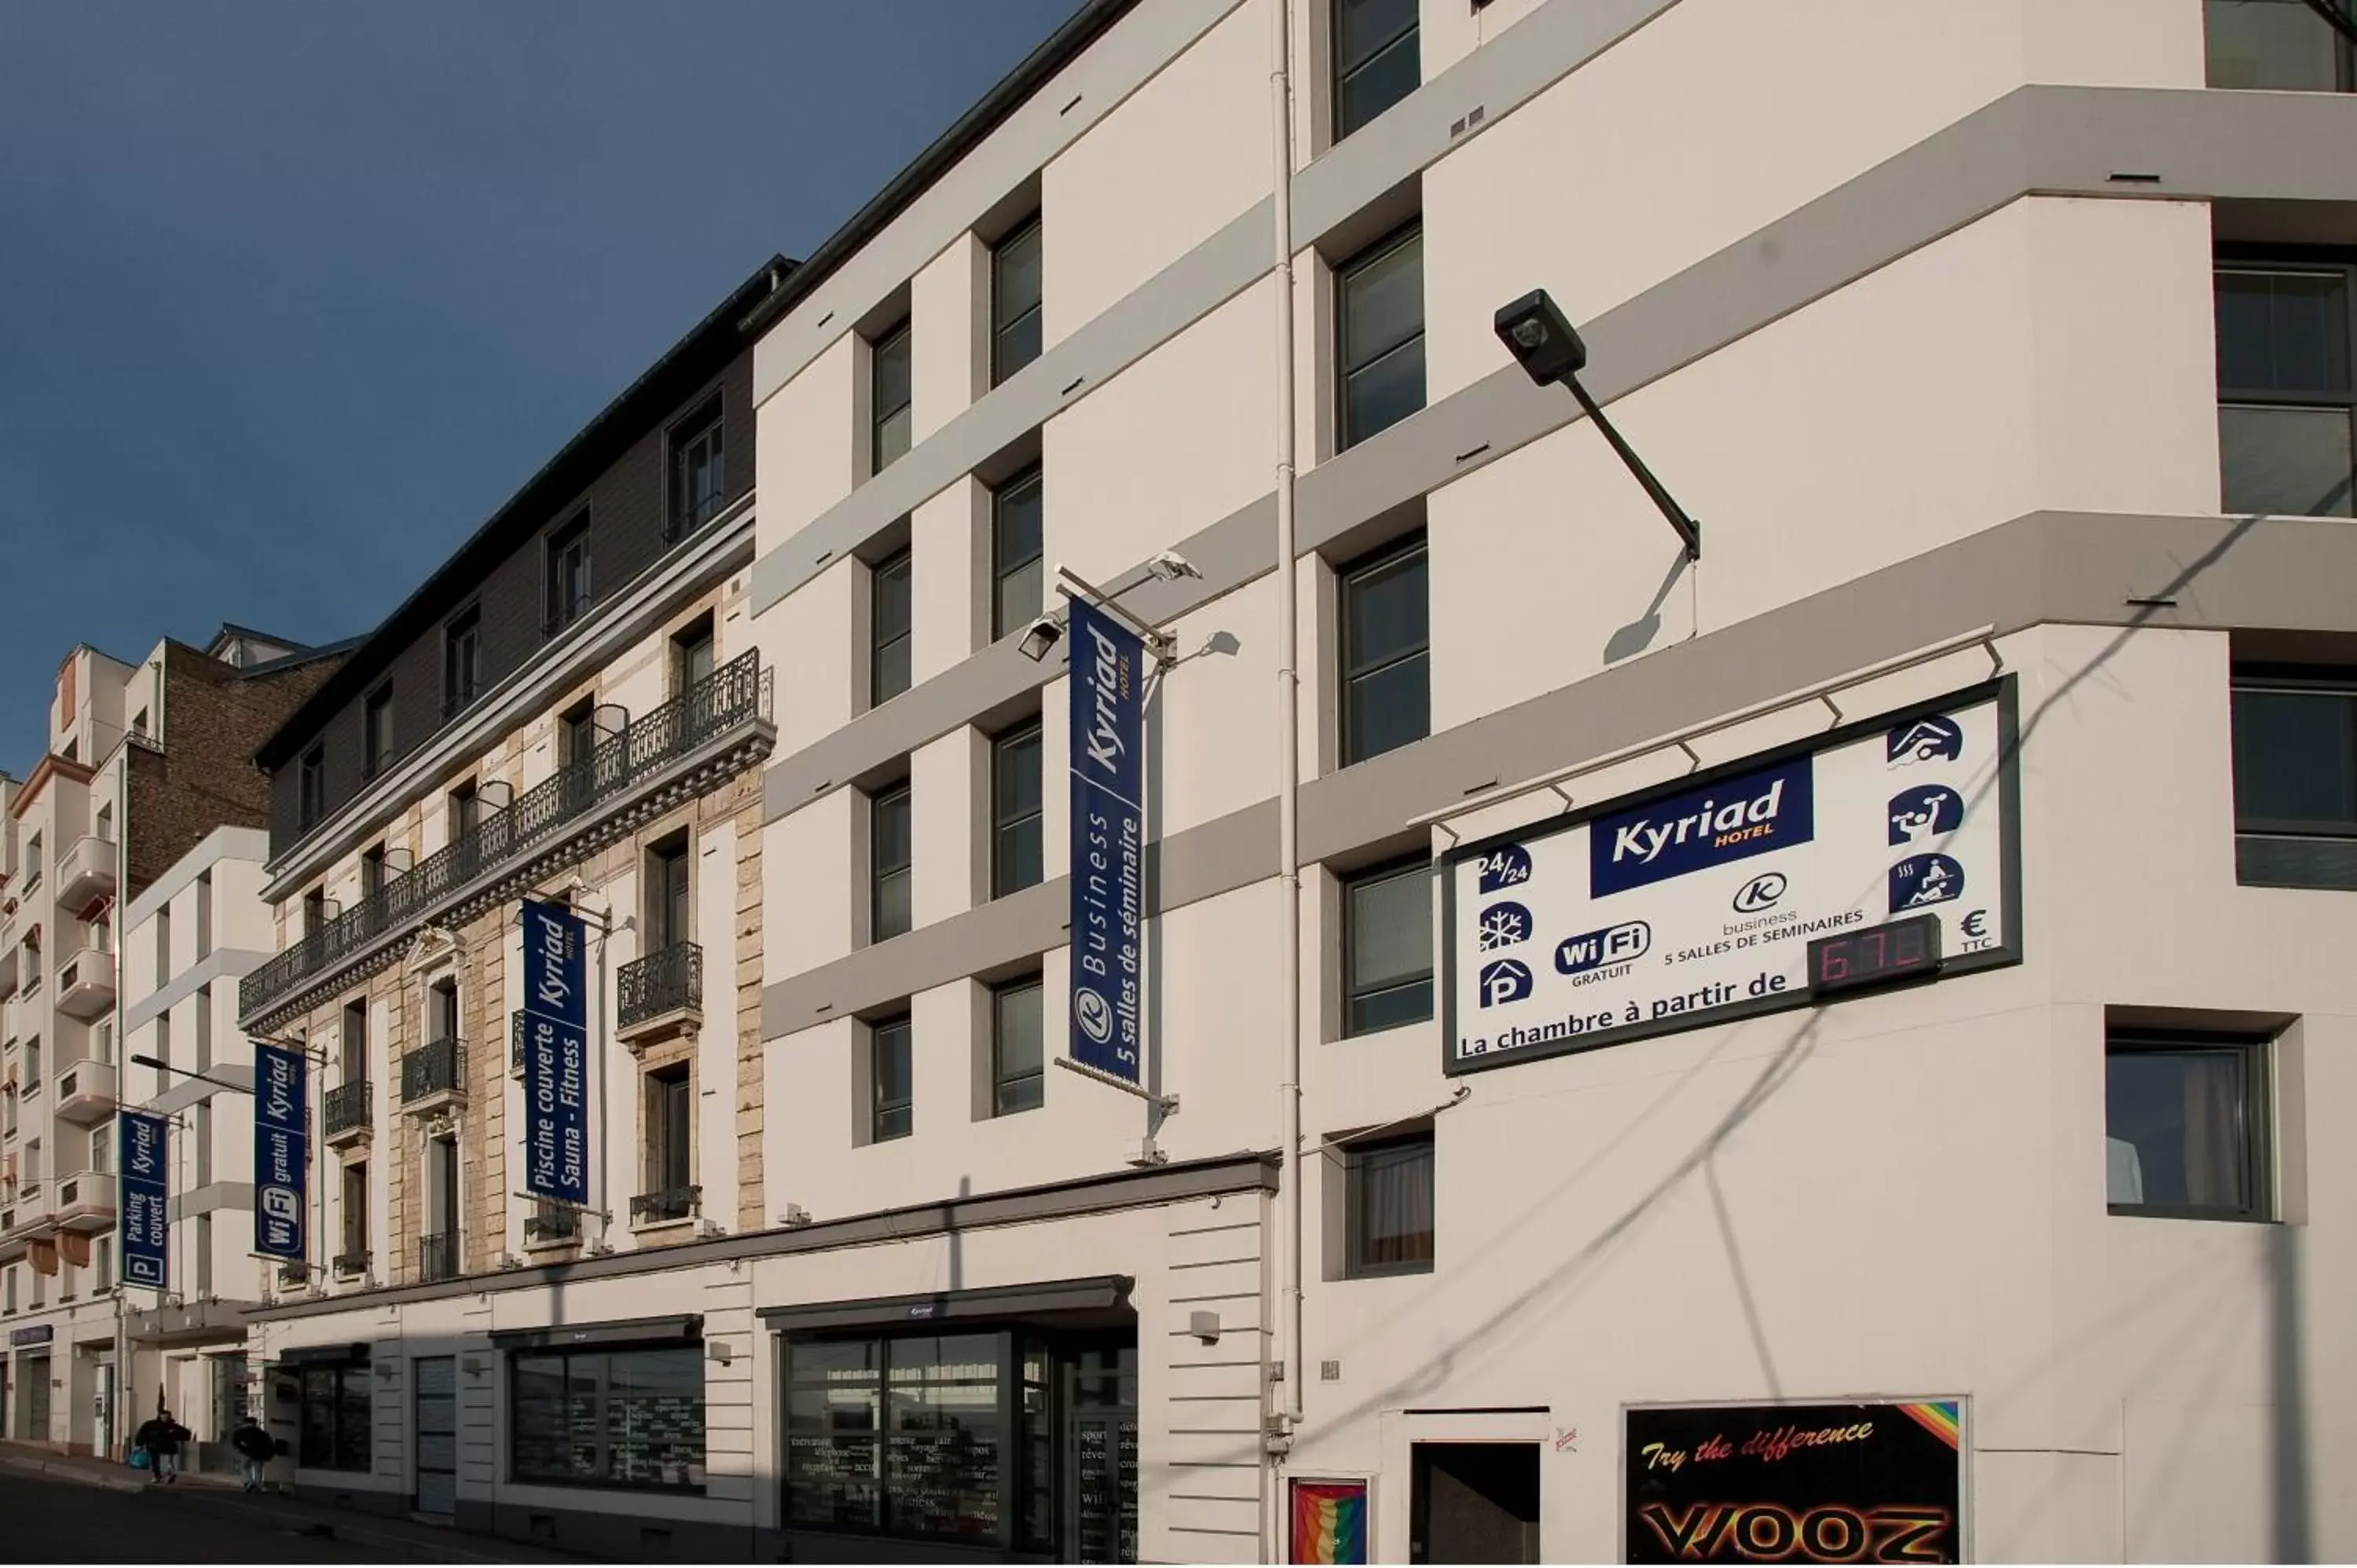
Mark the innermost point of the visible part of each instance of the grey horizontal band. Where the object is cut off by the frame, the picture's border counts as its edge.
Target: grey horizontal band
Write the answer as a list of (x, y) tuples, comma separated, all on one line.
[(2093, 568), (2037, 140), (222, 963), (213, 1197)]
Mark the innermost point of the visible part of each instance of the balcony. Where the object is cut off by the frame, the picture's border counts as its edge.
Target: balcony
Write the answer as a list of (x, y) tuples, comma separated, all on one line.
[(86, 1093), (349, 1113), (433, 1076), (722, 720), (85, 1201), (294, 1276), (86, 983), (437, 1258), (86, 872), (668, 1206), (353, 1265), (659, 995)]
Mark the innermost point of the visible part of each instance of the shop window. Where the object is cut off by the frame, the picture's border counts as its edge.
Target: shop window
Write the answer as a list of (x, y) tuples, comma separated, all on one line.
[(1387, 1207), (1387, 948), (334, 1424), (2186, 1124), (608, 1418), (2295, 778)]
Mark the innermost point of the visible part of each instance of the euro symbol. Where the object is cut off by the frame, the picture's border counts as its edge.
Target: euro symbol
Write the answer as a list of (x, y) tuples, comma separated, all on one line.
[(1976, 923)]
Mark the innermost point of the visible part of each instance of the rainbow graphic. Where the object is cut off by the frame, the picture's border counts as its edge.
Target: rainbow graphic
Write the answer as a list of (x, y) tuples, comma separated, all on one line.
[(1329, 1521), (1940, 1418)]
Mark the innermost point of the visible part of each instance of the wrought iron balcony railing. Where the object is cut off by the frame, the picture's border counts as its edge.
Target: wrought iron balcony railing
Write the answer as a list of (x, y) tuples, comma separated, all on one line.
[(351, 1265), (437, 1258), (736, 694), (347, 1107), (672, 1203), (437, 1068), (551, 1224), (668, 981)]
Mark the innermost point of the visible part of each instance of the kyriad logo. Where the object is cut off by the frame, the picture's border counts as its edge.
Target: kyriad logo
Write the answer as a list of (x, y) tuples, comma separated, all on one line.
[(1917, 816), (1751, 814), (1507, 980), (1509, 865), (1935, 738)]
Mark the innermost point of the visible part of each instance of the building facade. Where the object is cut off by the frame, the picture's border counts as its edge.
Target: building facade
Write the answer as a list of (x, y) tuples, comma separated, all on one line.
[(2004, 353), (142, 803)]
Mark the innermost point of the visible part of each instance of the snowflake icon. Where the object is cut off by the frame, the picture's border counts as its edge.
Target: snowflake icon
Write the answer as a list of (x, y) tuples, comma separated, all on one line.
[(1504, 925)]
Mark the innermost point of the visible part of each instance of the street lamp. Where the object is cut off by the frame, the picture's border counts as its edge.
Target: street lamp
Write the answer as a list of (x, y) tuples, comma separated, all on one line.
[(1039, 638), (191, 1072), (1549, 349)]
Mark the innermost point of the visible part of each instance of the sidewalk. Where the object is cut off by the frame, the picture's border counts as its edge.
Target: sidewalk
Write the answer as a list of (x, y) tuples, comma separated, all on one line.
[(216, 1494)]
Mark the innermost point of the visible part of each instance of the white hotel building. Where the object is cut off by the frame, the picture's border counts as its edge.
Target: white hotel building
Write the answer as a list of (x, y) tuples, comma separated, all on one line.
[(2005, 352)]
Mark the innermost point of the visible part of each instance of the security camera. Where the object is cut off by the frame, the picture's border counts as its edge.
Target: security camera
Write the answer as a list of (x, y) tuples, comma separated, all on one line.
[(1040, 637), (1170, 566), (1534, 331)]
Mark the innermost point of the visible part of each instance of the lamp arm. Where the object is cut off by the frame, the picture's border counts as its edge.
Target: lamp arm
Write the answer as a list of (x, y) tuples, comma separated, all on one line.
[(1687, 527)]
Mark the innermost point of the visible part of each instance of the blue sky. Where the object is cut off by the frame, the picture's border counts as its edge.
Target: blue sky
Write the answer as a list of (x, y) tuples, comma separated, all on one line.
[(294, 295)]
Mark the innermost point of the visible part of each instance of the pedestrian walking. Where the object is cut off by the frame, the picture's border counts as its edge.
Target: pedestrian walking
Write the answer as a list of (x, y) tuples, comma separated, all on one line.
[(161, 1436), (254, 1449)]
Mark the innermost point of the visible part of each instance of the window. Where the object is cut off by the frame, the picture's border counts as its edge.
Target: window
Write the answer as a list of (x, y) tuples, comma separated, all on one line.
[(442, 1010), (1015, 302), (1387, 1203), (2186, 1126), (1016, 548), (105, 826), (101, 1042), (204, 1028), (204, 915), (691, 656), (354, 1211), (139, 722), (2285, 399), (889, 393), (310, 789), (371, 872), (1014, 820), (1016, 1056), (102, 1149), (462, 661), (890, 628), (12, 1289), (334, 1432), (315, 912), (608, 1418), (1376, 61), (376, 726), (102, 1262), (890, 1045), (204, 1141), (1387, 948), (568, 574), (466, 811), (2277, 44), (666, 894), (163, 945), (2296, 780), (905, 1436), (355, 1041), (1381, 317), (576, 744), (888, 848), (204, 1256), (670, 1165), (699, 470), (1386, 664)]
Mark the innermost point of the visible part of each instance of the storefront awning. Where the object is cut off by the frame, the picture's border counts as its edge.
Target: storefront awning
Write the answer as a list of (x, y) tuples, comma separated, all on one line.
[(619, 1331), (323, 1355), (1060, 1299)]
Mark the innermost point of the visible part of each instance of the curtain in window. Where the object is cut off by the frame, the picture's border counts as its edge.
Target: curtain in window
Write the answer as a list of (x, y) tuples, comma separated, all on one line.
[(1395, 1204), (2213, 1130)]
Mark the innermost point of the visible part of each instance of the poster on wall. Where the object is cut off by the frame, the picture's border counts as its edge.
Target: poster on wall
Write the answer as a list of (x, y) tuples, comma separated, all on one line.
[(144, 1159), (1329, 1521), (556, 1054), (1882, 853), (1795, 1483), (282, 1153), (1108, 731)]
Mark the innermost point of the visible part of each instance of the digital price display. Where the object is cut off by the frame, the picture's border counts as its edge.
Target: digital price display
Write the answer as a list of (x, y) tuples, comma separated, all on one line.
[(1879, 955)]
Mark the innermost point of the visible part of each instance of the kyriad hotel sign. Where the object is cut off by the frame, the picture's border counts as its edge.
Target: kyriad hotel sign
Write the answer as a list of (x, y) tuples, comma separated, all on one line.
[(1879, 854)]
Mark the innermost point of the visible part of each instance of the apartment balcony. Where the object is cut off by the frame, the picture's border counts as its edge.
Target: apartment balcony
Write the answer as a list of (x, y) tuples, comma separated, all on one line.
[(86, 983), (433, 1077), (437, 1258), (85, 1202), (552, 1227), (86, 872), (659, 995), (10, 968), (86, 1093), (713, 731), (349, 1113)]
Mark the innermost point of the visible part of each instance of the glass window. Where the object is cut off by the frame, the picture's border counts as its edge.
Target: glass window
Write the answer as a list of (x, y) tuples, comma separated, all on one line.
[(1016, 548), (310, 800), (1387, 948), (2281, 45), (377, 726), (2285, 393), (1381, 315), (904, 1435), (1014, 812), (1376, 60), (1015, 302), (699, 470), (1016, 1041), (888, 833), (614, 1418), (892, 625), (333, 1432), (890, 393), (2295, 756), (1387, 1190), (568, 574), (671, 1166), (892, 1081), (1386, 665), (2186, 1127), (462, 661), (691, 657)]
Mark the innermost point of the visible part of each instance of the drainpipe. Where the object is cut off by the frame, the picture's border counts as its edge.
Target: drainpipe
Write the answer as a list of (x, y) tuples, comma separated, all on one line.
[(1288, 723)]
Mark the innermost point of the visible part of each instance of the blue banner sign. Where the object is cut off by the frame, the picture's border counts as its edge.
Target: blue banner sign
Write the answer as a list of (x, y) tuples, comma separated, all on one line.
[(282, 1153), (1108, 704), (144, 1188), (555, 1055)]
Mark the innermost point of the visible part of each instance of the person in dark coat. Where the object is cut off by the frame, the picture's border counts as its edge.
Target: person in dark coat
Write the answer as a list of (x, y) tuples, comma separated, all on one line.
[(161, 1436), (254, 1449)]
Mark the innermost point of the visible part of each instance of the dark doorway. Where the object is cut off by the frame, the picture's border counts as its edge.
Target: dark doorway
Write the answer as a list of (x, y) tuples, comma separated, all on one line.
[(1473, 1502)]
